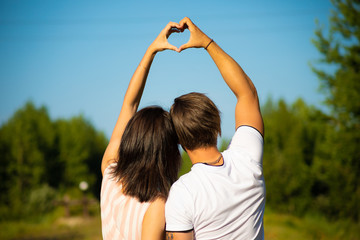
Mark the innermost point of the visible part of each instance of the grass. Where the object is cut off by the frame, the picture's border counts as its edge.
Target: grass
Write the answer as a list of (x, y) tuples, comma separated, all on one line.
[(55, 227), (285, 226), (277, 226), (71, 228)]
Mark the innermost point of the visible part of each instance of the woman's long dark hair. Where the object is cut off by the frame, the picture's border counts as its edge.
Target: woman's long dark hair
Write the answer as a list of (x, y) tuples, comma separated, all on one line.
[(149, 158)]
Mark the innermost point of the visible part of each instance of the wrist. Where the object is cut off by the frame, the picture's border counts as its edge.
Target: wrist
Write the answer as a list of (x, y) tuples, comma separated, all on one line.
[(152, 50), (210, 42), (206, 41)]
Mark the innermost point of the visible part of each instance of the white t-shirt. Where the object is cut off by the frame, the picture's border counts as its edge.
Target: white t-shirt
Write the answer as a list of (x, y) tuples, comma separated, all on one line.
[(222, 202)]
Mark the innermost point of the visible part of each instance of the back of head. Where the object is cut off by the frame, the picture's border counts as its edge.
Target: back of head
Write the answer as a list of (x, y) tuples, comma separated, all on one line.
[(197, 120), (149, 158)]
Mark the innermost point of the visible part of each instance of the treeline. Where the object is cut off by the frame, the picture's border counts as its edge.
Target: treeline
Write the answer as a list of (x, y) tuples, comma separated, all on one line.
[(310, 163), (41, 160), (312, 159)]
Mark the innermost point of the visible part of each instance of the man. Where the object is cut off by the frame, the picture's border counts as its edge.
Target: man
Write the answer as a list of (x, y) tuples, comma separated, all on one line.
[(223, 196)]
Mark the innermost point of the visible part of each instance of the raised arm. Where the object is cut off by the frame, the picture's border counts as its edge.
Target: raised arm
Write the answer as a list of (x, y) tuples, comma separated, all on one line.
[(134, 92), (247, 110)]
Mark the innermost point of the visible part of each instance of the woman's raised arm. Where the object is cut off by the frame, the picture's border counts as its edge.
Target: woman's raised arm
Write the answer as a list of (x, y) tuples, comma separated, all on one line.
[(135, 90)]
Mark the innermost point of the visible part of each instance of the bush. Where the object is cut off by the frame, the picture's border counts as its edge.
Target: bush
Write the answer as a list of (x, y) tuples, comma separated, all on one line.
[(41, 201)]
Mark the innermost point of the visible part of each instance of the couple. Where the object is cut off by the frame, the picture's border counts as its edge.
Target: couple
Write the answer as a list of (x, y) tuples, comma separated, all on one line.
[(222, 197)]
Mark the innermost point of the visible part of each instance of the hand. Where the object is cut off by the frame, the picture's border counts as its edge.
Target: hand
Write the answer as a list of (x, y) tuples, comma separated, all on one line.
[(161, 42), (197, 39)]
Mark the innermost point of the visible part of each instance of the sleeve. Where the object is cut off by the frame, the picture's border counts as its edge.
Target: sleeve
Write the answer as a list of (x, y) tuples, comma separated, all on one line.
[(178, 211), (249, 140)]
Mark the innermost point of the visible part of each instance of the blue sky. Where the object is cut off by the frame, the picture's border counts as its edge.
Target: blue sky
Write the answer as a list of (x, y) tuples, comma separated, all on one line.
[(77, 57)]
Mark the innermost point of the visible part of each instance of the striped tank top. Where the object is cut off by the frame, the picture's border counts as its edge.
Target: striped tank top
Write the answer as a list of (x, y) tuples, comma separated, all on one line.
[(121, 216)]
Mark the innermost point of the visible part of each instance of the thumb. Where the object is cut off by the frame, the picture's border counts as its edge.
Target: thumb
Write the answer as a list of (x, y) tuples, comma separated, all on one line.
[(172, 47), (184, 46)]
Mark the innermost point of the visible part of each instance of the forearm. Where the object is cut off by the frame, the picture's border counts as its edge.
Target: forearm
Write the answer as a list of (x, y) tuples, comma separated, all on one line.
[(247, 110), (138, 80), (134, 92), (129, 107), (234, 76), (137, 83)]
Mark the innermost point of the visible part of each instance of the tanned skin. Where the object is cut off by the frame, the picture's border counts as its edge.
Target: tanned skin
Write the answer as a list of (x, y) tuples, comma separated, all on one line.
[(247, 110)]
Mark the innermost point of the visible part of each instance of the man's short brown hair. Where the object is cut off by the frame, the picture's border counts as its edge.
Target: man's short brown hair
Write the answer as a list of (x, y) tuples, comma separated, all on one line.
[(197, 120)]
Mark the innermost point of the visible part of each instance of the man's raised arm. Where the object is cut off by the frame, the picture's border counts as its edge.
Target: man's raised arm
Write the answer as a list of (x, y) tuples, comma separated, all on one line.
[(247, 111)]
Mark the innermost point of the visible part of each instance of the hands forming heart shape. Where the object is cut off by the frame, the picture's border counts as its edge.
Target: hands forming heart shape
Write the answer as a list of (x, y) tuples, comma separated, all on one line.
[(198, 39)]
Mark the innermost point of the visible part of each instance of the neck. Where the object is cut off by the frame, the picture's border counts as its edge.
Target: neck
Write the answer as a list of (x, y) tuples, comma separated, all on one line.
[(207, 155)]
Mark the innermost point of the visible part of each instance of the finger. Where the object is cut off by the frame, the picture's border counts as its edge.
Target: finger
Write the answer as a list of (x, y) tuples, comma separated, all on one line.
[(171, 25), (172, 30), (185, 20), (172, 47), (183, 26), (186, 23), (184, 46)]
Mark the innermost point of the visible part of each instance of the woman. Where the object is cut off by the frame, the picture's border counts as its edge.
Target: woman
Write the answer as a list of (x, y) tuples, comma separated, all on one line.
[(141, 160)]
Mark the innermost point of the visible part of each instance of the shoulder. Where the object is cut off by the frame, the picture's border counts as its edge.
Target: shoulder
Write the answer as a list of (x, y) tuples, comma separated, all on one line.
[(180, 197), (247, 140), (155, 207), (184, 183), (153, 225), (179, 209), (247, 131), (110, 154), (246, 135), (107, 172)]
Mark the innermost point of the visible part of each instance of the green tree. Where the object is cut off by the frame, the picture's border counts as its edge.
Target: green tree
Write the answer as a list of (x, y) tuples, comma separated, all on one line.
[(80, 149), (25, 143), (40, 158), (339, 73), (292, 140)]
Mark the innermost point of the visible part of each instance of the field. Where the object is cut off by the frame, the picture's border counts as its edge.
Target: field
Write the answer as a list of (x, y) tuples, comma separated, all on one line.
[(284, 226), (277, 226)]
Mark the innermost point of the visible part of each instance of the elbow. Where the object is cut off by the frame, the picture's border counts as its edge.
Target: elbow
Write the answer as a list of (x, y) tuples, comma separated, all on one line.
[(251, 94)]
